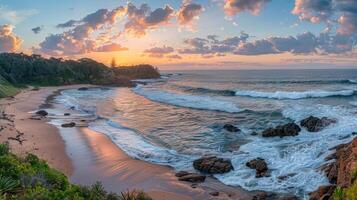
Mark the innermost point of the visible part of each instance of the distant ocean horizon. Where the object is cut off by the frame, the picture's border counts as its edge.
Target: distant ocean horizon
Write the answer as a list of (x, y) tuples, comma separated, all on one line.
[(180, 117)]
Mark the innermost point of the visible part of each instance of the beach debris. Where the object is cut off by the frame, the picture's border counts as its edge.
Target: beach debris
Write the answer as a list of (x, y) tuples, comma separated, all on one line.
[(42, 113), (19, 137), (260, 166), (213, 165), (190, 177), (68, 125), (231, 128), (315, 124), (289, 129)]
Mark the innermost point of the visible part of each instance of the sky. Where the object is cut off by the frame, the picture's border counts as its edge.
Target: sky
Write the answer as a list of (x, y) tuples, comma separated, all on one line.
[(186, 34)]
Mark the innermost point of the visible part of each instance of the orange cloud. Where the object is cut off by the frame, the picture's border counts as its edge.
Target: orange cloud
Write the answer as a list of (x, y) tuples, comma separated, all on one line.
[(9, 42)]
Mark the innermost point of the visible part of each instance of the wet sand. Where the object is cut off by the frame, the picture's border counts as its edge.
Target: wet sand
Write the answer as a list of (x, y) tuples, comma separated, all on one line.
[(87, 156)]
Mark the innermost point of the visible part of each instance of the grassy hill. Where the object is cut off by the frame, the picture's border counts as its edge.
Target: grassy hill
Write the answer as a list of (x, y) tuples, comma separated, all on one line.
[(22, 69)]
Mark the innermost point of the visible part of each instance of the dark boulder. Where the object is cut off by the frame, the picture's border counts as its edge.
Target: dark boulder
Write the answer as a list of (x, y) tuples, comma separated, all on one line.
[(315, 124), (42, 113), (68, 125), (290, 129), (67, 114), (231, 128), (192, 177), (260, 166), (213, 165), (83, 89)]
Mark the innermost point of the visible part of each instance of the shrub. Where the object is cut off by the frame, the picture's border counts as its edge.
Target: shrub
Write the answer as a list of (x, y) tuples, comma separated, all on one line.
[(31, 178), (8, 185), (135, 195)]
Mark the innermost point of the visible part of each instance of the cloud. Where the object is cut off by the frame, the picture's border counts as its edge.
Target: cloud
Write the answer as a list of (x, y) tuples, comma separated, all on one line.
[(79, 39), (188, 12), (36, 30), (342, 13), (159, 52), (9, 42), (212, 46), (233, 7), (314, 11), (15, 16), (139, 20), (174, 56), (258, 47), (305, 43), (110, 48)]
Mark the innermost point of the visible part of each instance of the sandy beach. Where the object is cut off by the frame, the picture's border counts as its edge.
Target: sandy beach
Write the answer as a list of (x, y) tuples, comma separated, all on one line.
[(87, 156)]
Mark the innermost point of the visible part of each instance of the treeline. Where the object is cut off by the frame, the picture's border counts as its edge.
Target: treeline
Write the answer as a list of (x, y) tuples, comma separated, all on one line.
[(21, 69)]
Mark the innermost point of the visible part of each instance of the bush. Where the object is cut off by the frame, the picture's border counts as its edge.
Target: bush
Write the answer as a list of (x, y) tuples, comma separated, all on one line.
[(31, 178)]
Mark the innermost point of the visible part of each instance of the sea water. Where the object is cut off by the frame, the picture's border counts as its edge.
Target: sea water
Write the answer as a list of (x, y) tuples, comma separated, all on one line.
[(176, 119)]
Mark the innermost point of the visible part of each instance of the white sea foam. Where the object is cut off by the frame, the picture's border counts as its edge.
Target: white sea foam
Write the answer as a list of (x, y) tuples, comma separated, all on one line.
[(294, 94), (138, 147), (354, 103), (352, 81), (298, 158), (189, 101)]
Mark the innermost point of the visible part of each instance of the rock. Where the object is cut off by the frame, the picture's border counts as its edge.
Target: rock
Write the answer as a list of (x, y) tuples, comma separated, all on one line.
[(290, 129), (323, 193), (231, 128), (254, 133), (69, 125), (67, 114), (42, 113), (259, 165), (215, 193), (315, 124), (288, 198), (284, 177), (213, 165), (83, 89), (181, 173), (72, 107), (264, 196), (193, 178), (354, 133)]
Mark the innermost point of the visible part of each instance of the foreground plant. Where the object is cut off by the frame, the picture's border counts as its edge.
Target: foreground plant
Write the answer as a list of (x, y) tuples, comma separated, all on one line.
[(31, 178)]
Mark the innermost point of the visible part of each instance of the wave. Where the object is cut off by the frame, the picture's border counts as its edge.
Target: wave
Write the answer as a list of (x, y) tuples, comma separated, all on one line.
[(294, 94), (138, 147), (341, 81), (271, 95), (295, 158), (189, 101)]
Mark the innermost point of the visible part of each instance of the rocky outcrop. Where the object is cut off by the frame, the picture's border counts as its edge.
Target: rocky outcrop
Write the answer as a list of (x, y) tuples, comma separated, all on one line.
[(290, 129), (260, 166), (340, 172), (323, 193), (42, 113), (190, 177), (213, 165), (68, 125), (315, 124), (231, 128)]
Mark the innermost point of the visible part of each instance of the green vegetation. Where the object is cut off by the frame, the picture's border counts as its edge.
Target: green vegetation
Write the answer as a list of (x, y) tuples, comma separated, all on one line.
[(7, 89), (346, 193), (31, 178), (21, 69)]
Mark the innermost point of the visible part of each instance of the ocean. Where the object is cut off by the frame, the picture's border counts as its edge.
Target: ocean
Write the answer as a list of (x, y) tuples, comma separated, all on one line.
[(180, 117)]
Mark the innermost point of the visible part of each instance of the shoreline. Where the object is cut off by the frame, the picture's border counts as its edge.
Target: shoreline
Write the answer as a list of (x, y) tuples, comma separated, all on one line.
[(99, 156)]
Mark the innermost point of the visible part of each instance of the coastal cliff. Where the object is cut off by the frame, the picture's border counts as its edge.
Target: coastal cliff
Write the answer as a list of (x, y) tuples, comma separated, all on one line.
[(342, 174)]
